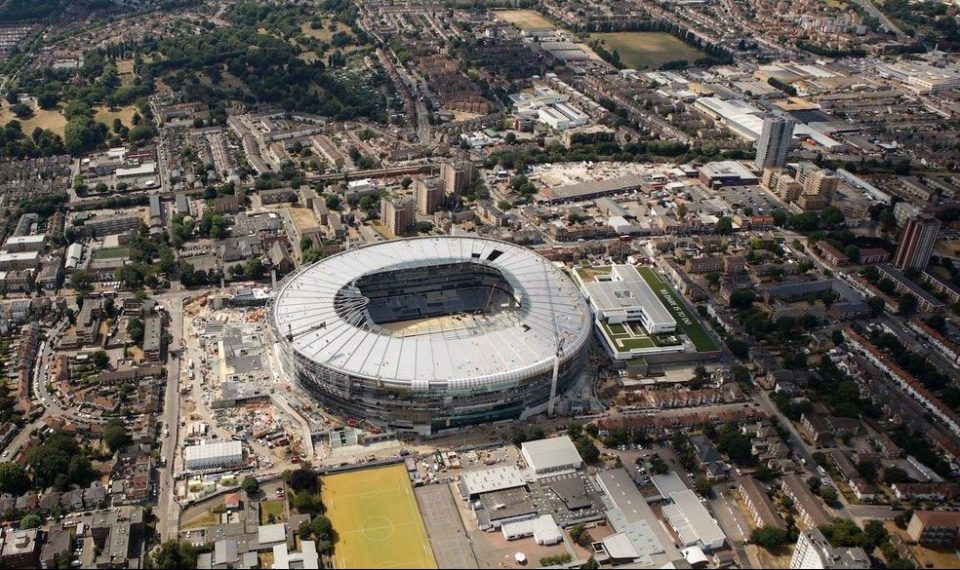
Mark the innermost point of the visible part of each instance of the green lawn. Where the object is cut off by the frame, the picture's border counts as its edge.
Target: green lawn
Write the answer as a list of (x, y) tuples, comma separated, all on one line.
[(111, 252), (647, 50), (632, 343), (277, 508), (615, 329), (588, 274), (686, 323)]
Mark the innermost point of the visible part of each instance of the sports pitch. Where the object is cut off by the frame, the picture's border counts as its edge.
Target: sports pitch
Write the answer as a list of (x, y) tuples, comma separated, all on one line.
[(374, 512)]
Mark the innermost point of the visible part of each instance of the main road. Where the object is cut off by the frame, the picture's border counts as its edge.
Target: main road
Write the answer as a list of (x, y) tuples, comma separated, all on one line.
[(168, 510)]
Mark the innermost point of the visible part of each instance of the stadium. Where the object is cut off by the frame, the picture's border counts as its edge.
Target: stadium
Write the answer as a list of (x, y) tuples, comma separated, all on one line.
[(433, 333)]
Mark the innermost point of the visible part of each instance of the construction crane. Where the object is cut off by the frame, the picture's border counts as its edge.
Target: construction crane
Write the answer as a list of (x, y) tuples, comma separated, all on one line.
[(556, 374)]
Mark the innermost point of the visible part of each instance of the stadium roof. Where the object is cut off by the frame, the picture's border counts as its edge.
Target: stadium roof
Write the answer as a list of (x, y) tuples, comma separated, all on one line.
[(459, 357)]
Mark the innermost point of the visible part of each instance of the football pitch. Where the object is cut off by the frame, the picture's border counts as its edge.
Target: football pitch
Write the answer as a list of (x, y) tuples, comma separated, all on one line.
[(375, 515)]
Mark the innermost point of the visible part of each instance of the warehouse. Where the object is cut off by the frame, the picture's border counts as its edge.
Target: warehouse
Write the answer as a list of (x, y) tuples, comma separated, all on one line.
[(475, 483), (593, 189), (213, 455), (19, 244), (551, 456)]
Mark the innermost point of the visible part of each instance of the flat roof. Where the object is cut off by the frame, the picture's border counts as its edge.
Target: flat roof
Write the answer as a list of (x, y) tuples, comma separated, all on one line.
[(213, 450), (627, 289), (595, 187), (694, 520), (552, 453), (668, 484), (727, 169), (26, 239), (486, 480)]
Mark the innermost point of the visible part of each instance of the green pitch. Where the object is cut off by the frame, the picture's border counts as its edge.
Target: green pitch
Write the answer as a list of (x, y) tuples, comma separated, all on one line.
[(376, 518)]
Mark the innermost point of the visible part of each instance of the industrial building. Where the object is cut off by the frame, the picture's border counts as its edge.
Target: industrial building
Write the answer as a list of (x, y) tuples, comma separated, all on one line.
[(218, 455), (551, 456), (692, 522)]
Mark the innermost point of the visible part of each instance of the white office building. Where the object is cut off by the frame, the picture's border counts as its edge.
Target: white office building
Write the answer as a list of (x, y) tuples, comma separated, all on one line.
[(626, 296)]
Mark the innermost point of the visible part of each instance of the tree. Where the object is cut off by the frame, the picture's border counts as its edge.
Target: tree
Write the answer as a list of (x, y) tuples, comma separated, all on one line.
[(742, 298), (174, 555), (902, 519), (908, 304), (59, 461), (580, 535), (32, 520), (739, 348), (304, 479), (768, 537), (725, 226), (588, 451), (250, 485), (115, 435), (81, 282), (591, 564), (22, 111), (13, 479), (877, 305), (829, 495), (876, 532), (135, 329), (100, 359)]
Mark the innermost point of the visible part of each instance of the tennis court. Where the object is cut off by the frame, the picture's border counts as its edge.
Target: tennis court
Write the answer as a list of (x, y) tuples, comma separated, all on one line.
[(375, 515)]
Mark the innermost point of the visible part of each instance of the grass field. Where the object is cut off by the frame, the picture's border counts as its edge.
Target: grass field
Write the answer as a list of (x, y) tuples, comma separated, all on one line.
[(647, 50), (106, 116), (111, 252), (686, 323), (377, 521), (525, 19), (277, 508), (45, 119)]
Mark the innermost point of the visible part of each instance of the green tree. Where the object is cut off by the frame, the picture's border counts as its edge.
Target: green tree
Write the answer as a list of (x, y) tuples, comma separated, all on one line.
[(135, 329), (59, 461), (830, 495), (175, 555), (580, 535), (32, 520), (100, 359), (115, 435), (725, 226), (13, 479), (588, 451), (81, 282), (250, 485), (768, 537)]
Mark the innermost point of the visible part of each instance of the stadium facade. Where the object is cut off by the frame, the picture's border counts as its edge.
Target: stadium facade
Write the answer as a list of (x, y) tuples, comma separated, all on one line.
[(433, 333)]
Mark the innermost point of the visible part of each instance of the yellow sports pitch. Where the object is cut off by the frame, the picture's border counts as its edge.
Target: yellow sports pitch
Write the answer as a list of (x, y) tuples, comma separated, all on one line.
[(375, 515)]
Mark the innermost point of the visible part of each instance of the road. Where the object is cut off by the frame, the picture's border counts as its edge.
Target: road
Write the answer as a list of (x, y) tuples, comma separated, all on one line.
[(732, 522), (871, 9), (168, 510)]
